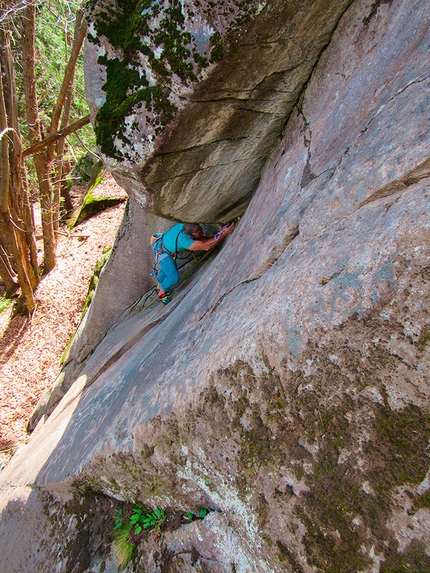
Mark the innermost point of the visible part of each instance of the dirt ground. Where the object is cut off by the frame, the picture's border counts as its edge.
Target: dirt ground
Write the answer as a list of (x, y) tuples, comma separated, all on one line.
[(31, 348)]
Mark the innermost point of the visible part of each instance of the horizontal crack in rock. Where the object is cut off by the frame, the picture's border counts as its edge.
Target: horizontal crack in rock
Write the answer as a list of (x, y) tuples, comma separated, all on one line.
[(422, 171), (418, 80)]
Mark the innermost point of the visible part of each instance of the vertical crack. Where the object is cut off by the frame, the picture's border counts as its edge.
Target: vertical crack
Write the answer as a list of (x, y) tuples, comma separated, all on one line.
[(307, 175)]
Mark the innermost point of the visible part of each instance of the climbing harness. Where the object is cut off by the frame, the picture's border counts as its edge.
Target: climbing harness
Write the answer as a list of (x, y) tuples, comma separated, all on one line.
[(160, 251), (157, 248)]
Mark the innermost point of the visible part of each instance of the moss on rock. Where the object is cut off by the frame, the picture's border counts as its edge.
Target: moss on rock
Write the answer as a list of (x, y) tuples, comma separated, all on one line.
[(154, 47)]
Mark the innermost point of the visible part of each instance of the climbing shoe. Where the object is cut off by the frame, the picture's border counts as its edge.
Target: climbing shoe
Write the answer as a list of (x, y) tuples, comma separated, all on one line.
[(164, 297)]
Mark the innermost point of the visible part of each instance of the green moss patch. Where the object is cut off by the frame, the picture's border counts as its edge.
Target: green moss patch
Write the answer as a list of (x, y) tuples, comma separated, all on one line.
[(413, 560), (400, 447), (422, 501), (95, 278), (127, 87), (343, 517), (93, 205), (150, 38), (4, 303)]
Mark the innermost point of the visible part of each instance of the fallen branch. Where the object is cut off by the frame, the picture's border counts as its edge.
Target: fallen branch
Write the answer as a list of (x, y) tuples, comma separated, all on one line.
[(58, 135)]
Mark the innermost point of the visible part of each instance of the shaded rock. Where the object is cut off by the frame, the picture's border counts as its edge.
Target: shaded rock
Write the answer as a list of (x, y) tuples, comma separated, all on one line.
[(86, 170), (189, 144), (285, 387), (94, 203), (122, 280)]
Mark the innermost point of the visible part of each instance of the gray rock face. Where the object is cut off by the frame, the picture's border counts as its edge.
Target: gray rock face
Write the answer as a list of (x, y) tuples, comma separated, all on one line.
[(286, 385), (230, 73)]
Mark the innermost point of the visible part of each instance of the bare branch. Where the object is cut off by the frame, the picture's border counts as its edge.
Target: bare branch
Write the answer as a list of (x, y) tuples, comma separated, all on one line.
[(80, 32), (12, 10), (62, 133)]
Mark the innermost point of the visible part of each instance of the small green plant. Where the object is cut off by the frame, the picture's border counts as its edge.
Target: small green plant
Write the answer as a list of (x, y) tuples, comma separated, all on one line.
[(201, 514), (122, 549), (4, 302), (140, 519)]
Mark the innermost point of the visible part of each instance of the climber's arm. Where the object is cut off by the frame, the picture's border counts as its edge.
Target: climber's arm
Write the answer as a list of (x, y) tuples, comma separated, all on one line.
[(208, 243)]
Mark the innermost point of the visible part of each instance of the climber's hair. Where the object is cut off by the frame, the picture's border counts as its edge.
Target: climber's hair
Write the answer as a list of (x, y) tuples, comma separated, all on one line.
[(191, 228)]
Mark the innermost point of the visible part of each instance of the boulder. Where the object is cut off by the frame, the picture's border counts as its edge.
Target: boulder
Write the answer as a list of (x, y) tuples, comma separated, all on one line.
[(188, 111), (285, 388)]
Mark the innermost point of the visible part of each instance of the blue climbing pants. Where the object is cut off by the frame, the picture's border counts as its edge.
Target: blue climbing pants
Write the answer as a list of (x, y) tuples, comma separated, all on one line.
[(168, 275)]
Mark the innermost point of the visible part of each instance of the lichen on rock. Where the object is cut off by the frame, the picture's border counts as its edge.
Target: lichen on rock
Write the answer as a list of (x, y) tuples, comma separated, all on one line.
[(285, 387), (161, 49)]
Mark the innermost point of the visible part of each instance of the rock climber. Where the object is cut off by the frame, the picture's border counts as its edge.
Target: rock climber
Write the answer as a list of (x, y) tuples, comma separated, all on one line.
[(180, 237)]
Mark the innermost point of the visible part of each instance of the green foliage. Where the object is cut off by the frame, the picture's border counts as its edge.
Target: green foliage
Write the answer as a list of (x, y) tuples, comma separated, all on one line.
[(4, 302), (54, 35), (203, 512), (55, 21), (139, 520)]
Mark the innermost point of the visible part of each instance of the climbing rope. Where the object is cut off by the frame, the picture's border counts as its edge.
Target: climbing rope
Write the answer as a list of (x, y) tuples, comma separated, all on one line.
[(196, 262)]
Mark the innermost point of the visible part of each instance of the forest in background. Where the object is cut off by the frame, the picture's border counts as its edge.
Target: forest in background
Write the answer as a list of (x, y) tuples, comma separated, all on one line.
[(44, 133)]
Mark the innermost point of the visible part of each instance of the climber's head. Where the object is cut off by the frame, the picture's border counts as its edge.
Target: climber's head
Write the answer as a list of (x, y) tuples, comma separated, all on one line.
[(193, 230)]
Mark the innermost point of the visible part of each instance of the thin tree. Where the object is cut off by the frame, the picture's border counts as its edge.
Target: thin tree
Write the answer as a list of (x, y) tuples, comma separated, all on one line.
[(35, 130), (18, 254), (18, 173), (63, 106), (12, 231)]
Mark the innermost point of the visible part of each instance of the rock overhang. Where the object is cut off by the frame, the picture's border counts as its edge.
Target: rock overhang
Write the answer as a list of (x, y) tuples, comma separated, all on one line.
[(194, 95)]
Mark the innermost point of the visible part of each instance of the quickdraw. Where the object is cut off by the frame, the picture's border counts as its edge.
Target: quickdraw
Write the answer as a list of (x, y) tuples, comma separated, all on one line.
[(218, 235)]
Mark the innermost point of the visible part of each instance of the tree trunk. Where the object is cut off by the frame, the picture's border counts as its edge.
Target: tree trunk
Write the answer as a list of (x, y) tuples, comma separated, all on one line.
[(64, 104), (7, 274), (65, 193), (40, 160), (12, 230), (17, 172), (60, 165), (79, 36)]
